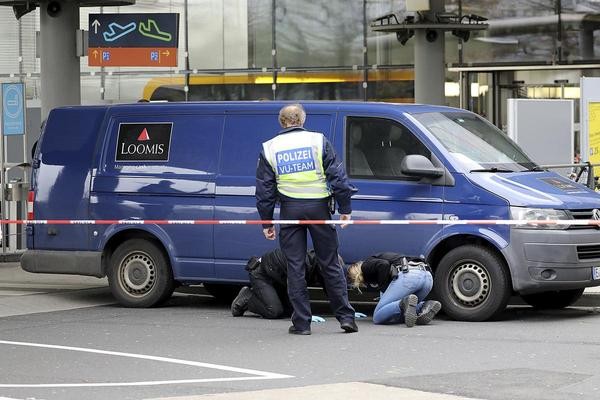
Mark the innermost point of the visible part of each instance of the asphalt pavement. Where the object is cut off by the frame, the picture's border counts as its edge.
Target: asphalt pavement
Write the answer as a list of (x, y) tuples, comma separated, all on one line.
[(63, 337)]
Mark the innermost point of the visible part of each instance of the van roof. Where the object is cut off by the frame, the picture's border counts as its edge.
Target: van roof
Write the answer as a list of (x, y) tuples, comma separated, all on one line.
[(267, 105)]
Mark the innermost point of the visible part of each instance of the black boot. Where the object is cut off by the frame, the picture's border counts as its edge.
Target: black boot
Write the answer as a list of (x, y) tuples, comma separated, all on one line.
[(240, 303), (429, 310), (408, 306)]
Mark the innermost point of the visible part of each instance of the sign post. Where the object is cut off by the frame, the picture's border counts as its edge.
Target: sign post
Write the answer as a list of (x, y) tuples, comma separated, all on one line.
[(133, 40), (13, 123)]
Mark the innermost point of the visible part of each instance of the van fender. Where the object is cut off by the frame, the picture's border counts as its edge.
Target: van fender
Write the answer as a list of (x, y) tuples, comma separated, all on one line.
[(153, 230), (485, 233)]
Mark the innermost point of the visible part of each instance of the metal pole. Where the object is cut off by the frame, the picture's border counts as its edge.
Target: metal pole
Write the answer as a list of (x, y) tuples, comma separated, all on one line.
[(274, 47), (460, 41), (3, 191), (495, 92), (187, 54), (22, 79), (365, 54), (430, 68), (102, 71), (559, 31)]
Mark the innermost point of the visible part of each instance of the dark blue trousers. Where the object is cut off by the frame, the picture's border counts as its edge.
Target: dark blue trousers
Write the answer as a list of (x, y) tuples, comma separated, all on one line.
[(293, 243)]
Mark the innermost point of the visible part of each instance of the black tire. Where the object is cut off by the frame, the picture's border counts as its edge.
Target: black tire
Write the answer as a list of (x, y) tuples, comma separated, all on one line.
[(224, 293), (553, 300), (472, 283), (140, 275)]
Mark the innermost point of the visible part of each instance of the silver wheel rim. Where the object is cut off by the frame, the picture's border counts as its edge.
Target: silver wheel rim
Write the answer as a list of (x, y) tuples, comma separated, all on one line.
[(137, 273), (470, 284)]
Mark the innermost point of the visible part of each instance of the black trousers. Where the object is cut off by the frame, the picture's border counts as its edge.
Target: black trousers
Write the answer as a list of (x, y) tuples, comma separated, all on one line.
[(293, 243), (269, 299)]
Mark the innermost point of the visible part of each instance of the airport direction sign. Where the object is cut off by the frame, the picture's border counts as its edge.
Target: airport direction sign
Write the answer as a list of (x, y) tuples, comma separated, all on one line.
[(133, 40), (13, 108)]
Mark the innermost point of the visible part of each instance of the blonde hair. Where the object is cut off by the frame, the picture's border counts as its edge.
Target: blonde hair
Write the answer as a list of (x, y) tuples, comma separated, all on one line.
[(355, 276), (292, 115)]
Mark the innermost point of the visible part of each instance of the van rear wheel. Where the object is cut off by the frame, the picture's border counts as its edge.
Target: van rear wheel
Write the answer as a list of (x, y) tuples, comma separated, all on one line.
[(139, 274), (472, 283), (553, 300)]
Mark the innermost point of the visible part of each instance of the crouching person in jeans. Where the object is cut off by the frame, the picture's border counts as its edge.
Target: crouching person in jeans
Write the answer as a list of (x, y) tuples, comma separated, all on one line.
[(267, 295), (403, 285)]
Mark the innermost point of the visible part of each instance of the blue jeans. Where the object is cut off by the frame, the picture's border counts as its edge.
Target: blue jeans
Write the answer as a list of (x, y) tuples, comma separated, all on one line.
[(415, 282)]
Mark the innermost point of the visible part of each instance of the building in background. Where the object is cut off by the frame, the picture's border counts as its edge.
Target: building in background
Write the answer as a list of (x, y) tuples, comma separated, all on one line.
[(324, 49)]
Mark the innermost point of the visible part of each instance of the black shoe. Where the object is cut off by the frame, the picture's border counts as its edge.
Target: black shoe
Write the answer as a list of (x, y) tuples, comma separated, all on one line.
[(294, 331), (408, 305), (428, 312), (349, 326), (240, 303)]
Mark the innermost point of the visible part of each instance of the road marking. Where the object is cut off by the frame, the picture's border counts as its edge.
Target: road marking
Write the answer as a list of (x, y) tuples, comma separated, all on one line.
[(258, 375)]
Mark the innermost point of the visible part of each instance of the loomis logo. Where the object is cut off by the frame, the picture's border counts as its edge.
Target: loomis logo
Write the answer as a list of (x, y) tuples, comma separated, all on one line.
[(144, 135), (144, 142)]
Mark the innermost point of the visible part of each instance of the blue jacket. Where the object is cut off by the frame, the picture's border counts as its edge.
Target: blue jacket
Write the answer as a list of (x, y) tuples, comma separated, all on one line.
[(337, 180)]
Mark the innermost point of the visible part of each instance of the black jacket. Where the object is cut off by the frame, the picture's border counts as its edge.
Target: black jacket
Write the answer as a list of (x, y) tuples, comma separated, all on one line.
[(274, 265), (376, 269)]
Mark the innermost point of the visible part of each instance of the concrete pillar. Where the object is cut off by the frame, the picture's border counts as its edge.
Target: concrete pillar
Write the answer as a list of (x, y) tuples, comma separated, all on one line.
[(430, 67), (60, 79)]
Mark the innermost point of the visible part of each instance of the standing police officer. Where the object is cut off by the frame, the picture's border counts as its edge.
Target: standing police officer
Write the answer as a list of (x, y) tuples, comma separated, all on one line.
[(300, 168)]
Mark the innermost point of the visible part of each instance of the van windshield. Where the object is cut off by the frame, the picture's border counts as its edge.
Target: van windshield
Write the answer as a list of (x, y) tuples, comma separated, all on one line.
[(475, 143)]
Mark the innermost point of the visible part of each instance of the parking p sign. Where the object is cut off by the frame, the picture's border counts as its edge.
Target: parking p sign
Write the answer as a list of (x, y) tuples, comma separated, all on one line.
[(13, 108)]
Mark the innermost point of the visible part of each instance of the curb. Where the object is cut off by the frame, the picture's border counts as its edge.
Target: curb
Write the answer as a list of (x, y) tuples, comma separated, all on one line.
[(10, 257)]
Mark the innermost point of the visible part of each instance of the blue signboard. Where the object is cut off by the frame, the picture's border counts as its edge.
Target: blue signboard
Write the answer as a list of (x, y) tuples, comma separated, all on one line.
[(133, 30), (13, 108)]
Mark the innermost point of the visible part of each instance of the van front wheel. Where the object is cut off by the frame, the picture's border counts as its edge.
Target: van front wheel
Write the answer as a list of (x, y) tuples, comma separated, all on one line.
[(139, 274), (472, 283)]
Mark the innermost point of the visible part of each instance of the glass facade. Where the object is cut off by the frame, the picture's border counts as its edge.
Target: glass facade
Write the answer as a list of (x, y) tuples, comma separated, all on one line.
[(319, 33), (325, 49)]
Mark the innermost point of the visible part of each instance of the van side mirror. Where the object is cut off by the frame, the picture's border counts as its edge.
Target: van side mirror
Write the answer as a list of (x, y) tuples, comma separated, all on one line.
[(421, 166)]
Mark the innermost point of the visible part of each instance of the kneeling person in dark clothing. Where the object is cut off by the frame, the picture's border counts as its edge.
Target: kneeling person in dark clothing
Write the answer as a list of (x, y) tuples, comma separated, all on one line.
[(267, 295)]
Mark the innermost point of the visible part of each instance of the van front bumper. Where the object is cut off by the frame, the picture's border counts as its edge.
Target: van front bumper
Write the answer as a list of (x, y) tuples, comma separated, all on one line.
[(87, 263), (544, 260)]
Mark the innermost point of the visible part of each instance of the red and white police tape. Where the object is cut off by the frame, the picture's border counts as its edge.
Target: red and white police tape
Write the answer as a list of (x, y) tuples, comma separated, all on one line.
[(591, 222)]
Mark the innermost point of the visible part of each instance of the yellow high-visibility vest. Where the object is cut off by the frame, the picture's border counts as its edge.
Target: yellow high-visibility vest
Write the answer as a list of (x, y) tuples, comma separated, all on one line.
[(297, 159)]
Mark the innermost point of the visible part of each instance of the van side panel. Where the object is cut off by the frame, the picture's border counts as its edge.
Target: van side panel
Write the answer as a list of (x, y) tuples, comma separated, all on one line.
[(179, 187), (62, 181), (242, 140)]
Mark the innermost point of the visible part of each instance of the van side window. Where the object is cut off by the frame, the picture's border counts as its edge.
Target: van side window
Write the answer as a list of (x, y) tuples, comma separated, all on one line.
[(375, 148)]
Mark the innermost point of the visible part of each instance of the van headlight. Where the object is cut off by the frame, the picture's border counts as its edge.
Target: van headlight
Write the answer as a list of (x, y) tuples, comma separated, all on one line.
[(538, 214)]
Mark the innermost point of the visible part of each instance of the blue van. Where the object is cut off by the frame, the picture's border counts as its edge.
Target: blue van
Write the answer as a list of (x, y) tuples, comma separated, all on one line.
[(193, 161)]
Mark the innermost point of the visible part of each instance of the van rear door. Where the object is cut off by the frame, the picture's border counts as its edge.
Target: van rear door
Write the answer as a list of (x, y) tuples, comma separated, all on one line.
[(61, 177)]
